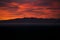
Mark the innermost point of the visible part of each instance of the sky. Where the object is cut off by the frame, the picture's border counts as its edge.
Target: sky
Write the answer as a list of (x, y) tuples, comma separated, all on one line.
[(12, 9)]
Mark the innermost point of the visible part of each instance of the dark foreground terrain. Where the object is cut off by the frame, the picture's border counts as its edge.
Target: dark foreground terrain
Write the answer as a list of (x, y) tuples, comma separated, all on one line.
[(33, 23), (41, 28), (30, 22)]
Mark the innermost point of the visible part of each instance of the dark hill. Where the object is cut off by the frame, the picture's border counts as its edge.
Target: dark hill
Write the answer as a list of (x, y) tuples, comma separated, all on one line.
[(31, 20)]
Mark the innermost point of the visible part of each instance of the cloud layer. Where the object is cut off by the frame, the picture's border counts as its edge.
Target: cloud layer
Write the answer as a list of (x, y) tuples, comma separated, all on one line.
[(11, 9)]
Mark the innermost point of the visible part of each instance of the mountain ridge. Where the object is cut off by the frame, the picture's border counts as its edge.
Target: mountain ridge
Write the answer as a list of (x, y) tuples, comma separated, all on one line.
[(31, 20)]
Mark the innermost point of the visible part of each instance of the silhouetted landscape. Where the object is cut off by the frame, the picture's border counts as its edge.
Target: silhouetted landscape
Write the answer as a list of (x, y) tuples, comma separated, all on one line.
[(31, 20), (30, 24)]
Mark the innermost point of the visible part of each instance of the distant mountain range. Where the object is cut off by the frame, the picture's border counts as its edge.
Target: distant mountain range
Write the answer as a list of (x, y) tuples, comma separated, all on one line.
[(31, 20)]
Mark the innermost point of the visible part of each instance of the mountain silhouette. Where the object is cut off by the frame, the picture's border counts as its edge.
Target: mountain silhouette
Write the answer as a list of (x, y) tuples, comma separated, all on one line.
[(31, 20)]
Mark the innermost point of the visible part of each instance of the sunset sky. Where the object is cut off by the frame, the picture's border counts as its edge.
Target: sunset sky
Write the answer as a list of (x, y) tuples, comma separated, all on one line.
[(12, 9)]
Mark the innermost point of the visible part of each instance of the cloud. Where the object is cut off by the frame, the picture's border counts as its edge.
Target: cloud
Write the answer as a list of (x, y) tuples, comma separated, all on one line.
[(28, 8)]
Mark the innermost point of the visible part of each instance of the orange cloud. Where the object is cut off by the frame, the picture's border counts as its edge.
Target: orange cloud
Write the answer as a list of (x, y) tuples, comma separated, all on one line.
[(27, 10)]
